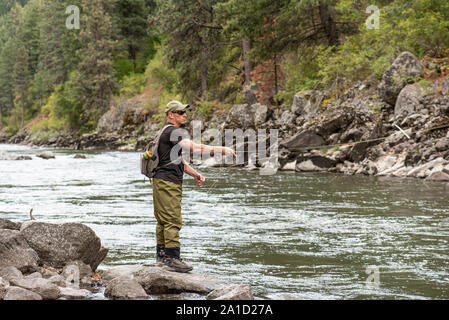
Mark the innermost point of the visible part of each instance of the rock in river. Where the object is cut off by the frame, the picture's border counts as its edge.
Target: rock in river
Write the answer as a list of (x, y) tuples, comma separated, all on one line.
[(57, 244)]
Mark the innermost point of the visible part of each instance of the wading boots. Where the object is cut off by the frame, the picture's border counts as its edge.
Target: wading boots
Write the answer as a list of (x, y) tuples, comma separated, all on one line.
[(173, 261), (160, 255)]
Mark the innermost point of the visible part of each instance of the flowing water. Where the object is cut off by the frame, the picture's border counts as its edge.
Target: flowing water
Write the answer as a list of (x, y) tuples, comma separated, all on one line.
[(290, 235)]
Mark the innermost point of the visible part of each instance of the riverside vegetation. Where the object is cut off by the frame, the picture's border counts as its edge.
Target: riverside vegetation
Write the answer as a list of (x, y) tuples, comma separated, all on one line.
[(313, 69)]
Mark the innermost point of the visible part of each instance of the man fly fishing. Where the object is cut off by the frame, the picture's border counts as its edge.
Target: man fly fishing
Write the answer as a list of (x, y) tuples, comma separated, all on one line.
[(167, 185)]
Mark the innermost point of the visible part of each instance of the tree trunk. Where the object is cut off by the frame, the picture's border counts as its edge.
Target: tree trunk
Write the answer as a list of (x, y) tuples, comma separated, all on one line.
[(328, 22), (204, 58), (23, 109), (1, 117), (247, 63), (276, 86)]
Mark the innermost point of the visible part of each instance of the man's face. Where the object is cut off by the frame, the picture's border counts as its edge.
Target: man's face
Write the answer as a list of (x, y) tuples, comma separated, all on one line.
[(178, 117)]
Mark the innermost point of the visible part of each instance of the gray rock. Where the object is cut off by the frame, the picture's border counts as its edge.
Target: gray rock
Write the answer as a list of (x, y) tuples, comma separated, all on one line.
[(305, 103), (83, 269), (405, 69), (69, 242), (319, 161), (260, 114), (17, 293), (445, 86), (354, 134), (73, 294), (438, 176), (9, 273), (442, 144), (58, 280), (46, 273), (80, 156), (46, 155), (287, 118), (43, 287), (6, 224), (34, 275), (115, 272), (290, 166), (7, 156), (307, 166), (408, 100), (125, 288), (302, 140), (335, 123), (244, 116), (156, 280), (15, 251), (232, 292), (3, 287), (128, 112)]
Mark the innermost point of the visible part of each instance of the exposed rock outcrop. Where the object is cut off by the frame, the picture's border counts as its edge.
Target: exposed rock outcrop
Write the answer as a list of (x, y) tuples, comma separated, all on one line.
[(405, 69)]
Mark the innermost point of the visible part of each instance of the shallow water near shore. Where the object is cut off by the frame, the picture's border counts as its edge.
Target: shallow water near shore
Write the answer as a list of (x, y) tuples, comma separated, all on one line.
[(290, 235)]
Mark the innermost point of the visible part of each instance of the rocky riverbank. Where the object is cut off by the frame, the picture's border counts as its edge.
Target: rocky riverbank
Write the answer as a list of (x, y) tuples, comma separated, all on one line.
[(396, 127), (44, 261)]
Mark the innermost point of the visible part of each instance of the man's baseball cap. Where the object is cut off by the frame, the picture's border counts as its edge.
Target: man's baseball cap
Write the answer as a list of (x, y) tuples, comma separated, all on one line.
[(175, 106)]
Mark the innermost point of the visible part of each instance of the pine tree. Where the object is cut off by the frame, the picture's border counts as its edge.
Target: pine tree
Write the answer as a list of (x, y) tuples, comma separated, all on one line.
[(131, 17), (95, 74), (21, 75), (192, 41)]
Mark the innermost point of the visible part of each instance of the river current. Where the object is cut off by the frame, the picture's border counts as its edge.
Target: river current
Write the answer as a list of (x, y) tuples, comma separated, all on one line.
[(289, 235)]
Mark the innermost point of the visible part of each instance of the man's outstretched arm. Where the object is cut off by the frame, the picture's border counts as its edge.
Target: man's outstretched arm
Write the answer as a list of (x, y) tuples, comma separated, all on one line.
[(202, 148)]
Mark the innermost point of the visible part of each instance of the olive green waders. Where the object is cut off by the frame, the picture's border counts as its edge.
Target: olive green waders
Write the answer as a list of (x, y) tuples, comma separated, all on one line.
[(167, 211)]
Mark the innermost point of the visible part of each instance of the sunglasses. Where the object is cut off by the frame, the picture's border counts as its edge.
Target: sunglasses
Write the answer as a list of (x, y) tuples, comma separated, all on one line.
[(180, 112)]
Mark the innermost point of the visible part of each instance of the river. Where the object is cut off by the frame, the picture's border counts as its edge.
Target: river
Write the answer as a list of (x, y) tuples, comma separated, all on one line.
[(289, 235)]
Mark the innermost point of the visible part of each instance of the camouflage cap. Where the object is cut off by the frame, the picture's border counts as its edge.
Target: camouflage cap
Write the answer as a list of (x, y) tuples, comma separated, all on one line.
[(175, 106)]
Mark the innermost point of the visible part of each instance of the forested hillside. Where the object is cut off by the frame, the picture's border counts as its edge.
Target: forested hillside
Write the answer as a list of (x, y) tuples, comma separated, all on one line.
[(55, 78)]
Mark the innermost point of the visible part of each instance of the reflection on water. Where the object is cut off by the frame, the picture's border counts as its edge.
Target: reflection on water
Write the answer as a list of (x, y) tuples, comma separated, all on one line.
[(304, 236)]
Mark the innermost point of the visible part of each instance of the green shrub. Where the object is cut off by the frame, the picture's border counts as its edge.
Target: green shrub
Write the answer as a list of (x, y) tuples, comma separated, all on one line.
[(132, 85)]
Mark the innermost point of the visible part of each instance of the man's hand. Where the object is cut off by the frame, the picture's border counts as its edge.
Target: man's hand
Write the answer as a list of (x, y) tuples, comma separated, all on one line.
[(228, 151), (200, 179)]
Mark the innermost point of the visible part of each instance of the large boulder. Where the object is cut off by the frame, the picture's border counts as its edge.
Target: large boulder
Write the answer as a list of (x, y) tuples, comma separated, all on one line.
[(303, 139), (408, 101), (9, 273), (43, 287), (17, 293), (246, 116), (305, 103), (156, 280), (73, 294), (335, 123), (405, 69), (125, 288), (15, 252), (57, 244), (127, 113)]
